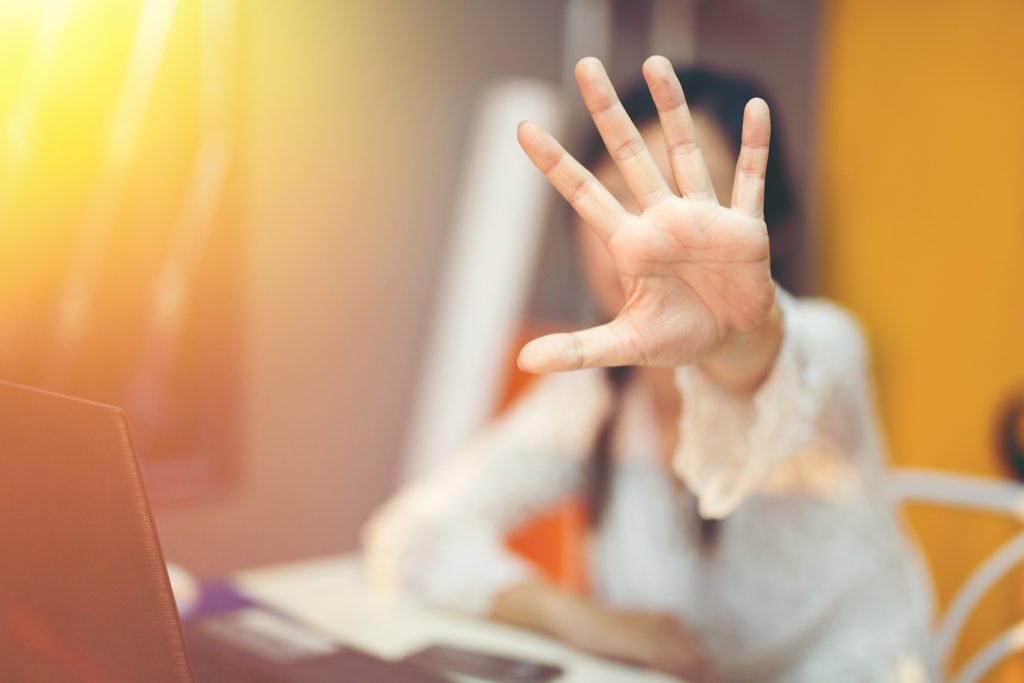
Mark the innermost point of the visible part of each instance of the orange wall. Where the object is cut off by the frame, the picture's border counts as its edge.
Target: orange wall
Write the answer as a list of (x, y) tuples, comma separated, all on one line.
[(922, 234)]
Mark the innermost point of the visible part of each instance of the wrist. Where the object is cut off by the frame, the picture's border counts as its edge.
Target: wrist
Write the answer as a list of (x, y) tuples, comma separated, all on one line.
[(744, 360)]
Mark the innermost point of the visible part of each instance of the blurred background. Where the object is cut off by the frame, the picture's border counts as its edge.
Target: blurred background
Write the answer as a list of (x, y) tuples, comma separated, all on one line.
[(297, 243)]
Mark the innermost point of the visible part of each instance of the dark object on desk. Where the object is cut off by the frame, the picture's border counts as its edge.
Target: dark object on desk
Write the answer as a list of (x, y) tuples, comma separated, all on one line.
[(1010, 435), (84, 593), (258, 645), (453, 660)]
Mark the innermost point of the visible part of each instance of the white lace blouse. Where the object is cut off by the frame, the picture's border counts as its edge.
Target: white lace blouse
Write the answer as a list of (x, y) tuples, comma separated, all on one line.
[(810, 577)]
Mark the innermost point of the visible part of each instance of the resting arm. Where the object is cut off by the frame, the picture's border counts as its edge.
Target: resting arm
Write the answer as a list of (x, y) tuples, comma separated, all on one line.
[(442, 539)]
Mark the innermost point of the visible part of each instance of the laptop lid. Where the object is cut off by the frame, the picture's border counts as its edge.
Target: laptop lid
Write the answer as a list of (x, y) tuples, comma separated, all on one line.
[(84, 593)]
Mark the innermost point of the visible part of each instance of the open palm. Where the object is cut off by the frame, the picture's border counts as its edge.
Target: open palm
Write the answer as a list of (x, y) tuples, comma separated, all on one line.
[(695, 273)]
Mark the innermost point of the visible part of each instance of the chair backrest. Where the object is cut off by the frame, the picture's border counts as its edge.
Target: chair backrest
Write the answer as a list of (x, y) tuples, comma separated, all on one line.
[(982, 495)]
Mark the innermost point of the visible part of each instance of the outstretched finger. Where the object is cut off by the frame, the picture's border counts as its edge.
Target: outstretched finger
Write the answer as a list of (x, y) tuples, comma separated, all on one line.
[(592, 201), (688, 167), (620, 135), (748, 187), (601, 346)]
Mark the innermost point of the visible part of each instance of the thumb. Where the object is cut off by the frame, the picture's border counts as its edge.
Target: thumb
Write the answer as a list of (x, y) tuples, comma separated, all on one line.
[(602, 346)]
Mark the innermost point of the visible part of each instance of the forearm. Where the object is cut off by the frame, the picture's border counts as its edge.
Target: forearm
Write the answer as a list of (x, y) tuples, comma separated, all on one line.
[(743, 363), (656, 640), (539, 606)]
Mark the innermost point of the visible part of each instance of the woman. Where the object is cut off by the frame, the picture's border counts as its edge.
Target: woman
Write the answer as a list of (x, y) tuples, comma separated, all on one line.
[(743, 533)]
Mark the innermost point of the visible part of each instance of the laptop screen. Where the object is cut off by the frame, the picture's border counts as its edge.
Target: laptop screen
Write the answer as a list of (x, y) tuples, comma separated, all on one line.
[(84, 594)]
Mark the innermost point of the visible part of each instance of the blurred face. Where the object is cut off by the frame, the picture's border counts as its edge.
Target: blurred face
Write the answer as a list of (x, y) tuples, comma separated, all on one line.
[(598, 267)]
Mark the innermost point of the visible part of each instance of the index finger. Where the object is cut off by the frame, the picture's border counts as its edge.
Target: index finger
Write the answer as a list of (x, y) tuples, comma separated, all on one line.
[(592, 201)]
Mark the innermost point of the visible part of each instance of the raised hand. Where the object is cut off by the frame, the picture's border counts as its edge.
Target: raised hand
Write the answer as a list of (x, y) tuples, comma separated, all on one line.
[(695, 273)]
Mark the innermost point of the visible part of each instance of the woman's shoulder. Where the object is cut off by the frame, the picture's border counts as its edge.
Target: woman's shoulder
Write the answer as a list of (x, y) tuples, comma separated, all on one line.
[(823, 323), (574, 386), (561, 407), (562, 396)]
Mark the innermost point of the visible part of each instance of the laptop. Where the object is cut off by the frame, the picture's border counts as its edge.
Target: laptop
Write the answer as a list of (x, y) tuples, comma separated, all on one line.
[(84, 591)]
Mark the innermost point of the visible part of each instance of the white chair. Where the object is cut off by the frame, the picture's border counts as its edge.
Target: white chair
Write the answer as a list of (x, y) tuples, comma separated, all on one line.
[(982, 495)]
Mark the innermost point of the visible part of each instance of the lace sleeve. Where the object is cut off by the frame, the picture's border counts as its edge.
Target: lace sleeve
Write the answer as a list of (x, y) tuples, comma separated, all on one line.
[(442, 538), (816, 393)]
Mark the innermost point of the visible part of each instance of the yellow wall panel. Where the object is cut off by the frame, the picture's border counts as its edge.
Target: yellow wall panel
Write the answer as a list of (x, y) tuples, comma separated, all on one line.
[(922, 234)]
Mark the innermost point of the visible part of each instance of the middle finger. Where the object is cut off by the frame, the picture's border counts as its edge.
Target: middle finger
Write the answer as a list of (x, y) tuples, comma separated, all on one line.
[(620, 136)]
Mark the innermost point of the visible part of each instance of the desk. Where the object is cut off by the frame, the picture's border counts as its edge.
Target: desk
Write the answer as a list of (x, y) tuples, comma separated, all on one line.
[(331, 593)]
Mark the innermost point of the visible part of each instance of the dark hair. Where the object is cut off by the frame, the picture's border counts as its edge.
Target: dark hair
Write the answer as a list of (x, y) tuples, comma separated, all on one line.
[(723, 98), (599, 473), (598, 477)]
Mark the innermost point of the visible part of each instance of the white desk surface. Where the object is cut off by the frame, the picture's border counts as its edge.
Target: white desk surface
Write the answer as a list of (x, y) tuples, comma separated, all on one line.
[(330, 593)]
